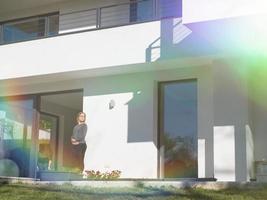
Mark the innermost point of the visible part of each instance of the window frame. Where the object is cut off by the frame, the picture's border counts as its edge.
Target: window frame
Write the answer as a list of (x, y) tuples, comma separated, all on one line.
[(1, 34), (46, 17)]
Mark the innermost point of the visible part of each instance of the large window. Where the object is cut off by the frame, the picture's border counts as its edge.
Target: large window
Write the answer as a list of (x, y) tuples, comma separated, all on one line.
[(30, 28), (16, 135), (178, 129), (35, 137)]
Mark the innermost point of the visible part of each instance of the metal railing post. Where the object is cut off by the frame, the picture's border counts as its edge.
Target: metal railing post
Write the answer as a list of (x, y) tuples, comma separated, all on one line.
[(98, 18), (156, 9), (1, 34), (46, 33)]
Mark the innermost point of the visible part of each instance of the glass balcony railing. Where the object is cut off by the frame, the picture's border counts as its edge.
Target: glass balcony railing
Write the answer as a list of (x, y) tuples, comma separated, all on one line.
[(104, 17)]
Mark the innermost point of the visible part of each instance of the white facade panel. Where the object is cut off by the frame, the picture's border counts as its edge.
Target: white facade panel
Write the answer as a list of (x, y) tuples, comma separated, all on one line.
[(199, 11), (201, 158), (224, 153), (88, 50)]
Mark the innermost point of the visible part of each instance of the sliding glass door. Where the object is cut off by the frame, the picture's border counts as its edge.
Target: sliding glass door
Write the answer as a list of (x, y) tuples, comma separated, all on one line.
[(30, 128), (17, 154), (178, 129)]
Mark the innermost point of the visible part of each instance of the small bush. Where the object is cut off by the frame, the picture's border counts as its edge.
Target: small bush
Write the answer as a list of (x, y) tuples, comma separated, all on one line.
[(115, 174)]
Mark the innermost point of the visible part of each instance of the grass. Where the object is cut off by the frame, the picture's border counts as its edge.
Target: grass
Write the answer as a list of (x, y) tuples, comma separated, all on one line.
[(68, 192)]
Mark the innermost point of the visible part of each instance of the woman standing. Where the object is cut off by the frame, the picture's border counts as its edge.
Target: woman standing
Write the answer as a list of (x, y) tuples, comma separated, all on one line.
[(78, 138)]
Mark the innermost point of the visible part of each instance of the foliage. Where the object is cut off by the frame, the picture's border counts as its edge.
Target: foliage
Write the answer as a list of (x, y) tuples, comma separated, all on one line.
[(45, 124), (115, 174)]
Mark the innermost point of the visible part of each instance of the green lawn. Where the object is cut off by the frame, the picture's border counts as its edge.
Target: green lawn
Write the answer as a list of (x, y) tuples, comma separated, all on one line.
[(68, 192)]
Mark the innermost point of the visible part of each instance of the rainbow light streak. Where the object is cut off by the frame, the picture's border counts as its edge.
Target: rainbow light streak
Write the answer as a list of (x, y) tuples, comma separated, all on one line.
[(242, 41)]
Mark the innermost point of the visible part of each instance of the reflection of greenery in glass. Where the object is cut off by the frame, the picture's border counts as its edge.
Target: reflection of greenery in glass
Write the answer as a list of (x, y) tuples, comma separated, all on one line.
[(7, 128), (45, 125), (177, 145), (45, 156), (179, 156)]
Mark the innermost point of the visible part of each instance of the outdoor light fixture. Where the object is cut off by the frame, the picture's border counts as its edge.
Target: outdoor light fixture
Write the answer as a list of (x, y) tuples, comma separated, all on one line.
[(111, 104)]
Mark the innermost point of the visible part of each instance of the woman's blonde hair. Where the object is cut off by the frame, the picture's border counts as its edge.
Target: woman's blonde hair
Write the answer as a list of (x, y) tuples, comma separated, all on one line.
[(78, 115)]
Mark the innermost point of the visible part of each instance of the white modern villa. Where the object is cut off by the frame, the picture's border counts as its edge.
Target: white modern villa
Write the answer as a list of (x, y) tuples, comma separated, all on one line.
[(172, 89)]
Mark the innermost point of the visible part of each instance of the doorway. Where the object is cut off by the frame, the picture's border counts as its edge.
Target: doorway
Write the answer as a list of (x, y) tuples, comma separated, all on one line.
[(57, 118), (178, 129), (35, 132)]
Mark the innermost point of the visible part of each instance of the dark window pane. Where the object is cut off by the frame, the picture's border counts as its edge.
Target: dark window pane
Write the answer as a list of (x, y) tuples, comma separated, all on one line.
[(133, 11), (1, 34), (16, 118), (170, 8), (47, 142), (24, 30), (179, 129), (141, 11), (53, 25)]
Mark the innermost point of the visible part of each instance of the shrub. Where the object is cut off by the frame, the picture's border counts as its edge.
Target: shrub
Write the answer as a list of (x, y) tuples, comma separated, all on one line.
[(115, 174)]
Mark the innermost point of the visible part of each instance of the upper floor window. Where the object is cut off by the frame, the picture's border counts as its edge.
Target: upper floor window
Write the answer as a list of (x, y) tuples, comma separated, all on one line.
[(30, 28), (141, 10), (170, 8)]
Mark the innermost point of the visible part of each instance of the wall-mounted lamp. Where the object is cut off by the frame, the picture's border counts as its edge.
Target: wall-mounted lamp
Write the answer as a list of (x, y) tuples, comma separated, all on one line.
[(111, 104)]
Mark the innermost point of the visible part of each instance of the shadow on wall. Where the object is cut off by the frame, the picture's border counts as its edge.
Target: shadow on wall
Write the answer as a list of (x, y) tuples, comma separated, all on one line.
[(178, 40), (134, 101), (140, 121)]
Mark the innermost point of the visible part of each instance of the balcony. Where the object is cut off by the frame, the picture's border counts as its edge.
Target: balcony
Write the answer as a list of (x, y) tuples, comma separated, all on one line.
[(54, 24), (110, 41)]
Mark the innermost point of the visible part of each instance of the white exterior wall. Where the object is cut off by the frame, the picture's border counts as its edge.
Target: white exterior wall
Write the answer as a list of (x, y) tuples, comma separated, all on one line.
[(88, 50), (198, 11), (230, 122), (125, 137)]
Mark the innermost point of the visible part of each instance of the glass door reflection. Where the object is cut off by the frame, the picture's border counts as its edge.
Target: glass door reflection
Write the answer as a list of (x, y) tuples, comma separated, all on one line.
[(178, 129), (16, 136), (47, 142)]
